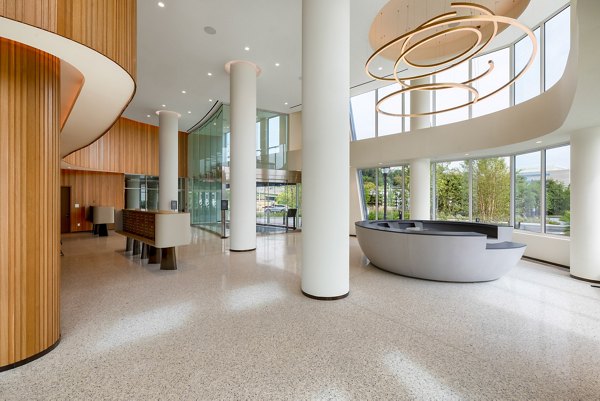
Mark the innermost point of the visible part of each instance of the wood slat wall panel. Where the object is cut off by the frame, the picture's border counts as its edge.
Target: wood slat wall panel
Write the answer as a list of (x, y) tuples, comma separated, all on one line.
[(129, 147), (90, 188), (40, 13), (29, 202), (108, 26)]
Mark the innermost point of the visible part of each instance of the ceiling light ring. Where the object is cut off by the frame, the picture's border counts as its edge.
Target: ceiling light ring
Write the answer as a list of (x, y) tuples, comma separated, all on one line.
[(405, 53), (429, 87), (494, 19), (433, 24), (437, 24)]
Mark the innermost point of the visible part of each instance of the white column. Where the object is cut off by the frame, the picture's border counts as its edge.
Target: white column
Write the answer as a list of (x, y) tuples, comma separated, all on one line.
[(168, 157), (325, 148), (585, 214), (242, 165), (420, 175), (420, 102), (420, 196)]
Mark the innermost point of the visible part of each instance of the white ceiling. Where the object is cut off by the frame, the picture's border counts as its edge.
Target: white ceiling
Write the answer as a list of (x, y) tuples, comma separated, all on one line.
[(175, 53)]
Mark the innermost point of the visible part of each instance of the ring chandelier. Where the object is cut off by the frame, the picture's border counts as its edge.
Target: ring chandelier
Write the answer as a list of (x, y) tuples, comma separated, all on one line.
[(451, 23)]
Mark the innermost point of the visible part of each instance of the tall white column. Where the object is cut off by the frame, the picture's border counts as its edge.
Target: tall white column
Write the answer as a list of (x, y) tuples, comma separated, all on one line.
[(325, 148), (420, 192), (420, 174), (242, 165), (168, 157), (585, 214)]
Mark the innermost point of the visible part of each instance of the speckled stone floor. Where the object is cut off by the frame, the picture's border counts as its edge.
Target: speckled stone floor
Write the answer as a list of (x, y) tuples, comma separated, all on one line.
[(235, 326)]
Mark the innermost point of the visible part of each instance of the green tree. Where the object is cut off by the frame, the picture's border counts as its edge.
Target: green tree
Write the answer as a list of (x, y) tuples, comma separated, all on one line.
[(288, 197), (558, 197), (491, 190), (452, 192)]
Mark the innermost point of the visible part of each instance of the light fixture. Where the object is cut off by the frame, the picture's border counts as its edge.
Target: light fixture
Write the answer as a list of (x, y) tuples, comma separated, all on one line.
[(184, 92), (466, 154), (286, 103), (189, 112), (276, 64), (464, 19), (161, 4), (210, 100), (210, 74), (538, 141), (148, 115), (247, 48), (164, 105), (380, 68)]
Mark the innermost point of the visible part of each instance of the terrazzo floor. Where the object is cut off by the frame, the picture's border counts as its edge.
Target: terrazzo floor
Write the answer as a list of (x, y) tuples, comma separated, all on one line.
[(235, 326)]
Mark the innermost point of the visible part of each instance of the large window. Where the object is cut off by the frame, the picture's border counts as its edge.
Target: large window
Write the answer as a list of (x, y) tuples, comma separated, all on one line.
[(449, 98), (558, 190), (529, 85), (528, 192), (363, 115), (388, 125), (492, 81), (452, 191), (558, 43), (491, 190), (386, 192)]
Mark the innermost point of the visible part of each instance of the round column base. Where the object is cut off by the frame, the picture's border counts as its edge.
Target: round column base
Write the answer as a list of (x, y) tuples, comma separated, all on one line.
[(325, 298)]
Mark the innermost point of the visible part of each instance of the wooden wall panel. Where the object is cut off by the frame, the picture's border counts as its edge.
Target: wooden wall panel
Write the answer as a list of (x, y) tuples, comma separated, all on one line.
[(108, 26), (90, 188), (40, 13), (129, 147), (29, 202)]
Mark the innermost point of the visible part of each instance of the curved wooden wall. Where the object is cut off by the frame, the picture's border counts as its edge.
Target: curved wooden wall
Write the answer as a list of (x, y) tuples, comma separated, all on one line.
[(29, 202), (129, 147), (108, 26), (29, 161)]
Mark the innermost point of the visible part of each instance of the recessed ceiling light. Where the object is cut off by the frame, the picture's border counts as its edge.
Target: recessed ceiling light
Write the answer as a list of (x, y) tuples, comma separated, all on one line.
[(184, 92), (466, 154), (164, 105), (148, 115), (210, 100), (380, 163), (247, 48), (189, 112), (214, 123), (161, 4), (276, 64), (380, 68), (210, 30), (286, 103), (210, 74), (538, 142)]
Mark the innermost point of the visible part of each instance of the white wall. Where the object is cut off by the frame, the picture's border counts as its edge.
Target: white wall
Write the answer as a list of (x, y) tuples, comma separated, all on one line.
[(550, 248)]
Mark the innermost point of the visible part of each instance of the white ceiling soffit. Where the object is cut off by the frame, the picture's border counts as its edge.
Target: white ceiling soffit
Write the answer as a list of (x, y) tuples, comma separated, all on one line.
[(106, 90), (175, 53)]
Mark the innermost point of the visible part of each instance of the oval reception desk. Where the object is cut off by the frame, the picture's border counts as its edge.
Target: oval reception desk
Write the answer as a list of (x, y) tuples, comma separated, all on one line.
[(440, 250)]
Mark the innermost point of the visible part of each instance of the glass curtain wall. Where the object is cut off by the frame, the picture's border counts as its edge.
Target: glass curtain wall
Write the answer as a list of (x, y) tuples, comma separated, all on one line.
[(209, 157), (480, 190), (208, 151)]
